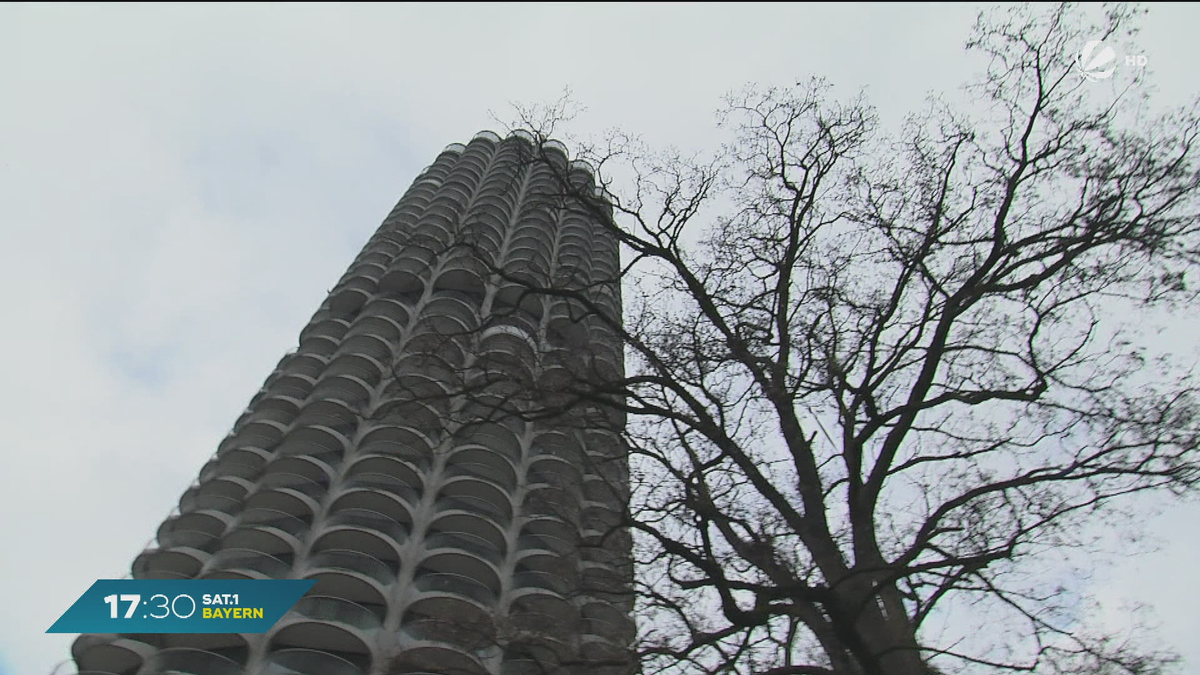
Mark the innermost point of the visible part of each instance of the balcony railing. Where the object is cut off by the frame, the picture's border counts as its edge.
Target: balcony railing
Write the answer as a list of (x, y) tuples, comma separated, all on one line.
[(353, 561), (271, 518), (327, 608), (544, 580), (292, 481), (546, 542), (369, 520), (466, 542), (473, 505), (185, 661), (458, 584), (307, 662), (249, 559)]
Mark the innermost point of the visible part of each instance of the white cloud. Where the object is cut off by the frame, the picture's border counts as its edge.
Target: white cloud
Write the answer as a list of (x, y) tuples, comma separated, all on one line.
[(179, 185)]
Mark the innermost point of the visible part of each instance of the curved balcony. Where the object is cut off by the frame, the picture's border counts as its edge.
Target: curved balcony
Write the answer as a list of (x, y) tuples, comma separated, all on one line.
[(272, 519), (462, 275), (386, 464), (472, 504), (383, 494), (359, 366), (369, 520), (396, 311), (601, 518), (483, 228), (208, 522), (527, 665), (186, 661), (542, 624), (428, 366), (475, 633), (414, 457), (548, 526), (224, 494), (462, 541), (268, 531), (310, 467), (455, 305), (372, 262), (383, 318), (309, 365), (483, 462), (328, 623), (241, 563), (298, 386), (554, 471), (109, 654), (604, 651), (373, 346), (431, 659), (407, 273), (355, 562), (416, 387), (455, 584), (545, 542), (479, 472), (241, 461), (365, 531), (309, 662), (331, 329), (346, 388), (424, 416), (620, 631), (325, 439), (194, 539), (523, 135), (359, 280), (382, 481), (192, 502), (344, 302), (337, 610), (555, 146), (407, 441), (549, 500), (463, 563), (491, 435), (340, 399), (229, 645), (449, 348), (538, 602), (261, 433), (291, 482), (159, 574), (279, 415), (542, 580), (470, 488), (182, 563), (368, 267)]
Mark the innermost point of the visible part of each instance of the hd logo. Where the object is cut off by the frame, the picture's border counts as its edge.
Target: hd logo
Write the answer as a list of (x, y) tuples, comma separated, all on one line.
[(1097, 61)]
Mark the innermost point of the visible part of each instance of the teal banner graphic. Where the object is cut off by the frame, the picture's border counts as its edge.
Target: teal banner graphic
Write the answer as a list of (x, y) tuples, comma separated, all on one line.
[(182, 606)]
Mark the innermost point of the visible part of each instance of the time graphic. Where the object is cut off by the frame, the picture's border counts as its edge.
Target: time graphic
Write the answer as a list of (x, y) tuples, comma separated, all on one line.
[(167, 605), (181, 606)]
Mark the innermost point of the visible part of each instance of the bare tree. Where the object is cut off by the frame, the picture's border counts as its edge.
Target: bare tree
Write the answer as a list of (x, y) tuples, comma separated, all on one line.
[(883, 394)]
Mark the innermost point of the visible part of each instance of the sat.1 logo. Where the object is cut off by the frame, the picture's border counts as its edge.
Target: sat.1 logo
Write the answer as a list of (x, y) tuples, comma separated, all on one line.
[(1097, 61)]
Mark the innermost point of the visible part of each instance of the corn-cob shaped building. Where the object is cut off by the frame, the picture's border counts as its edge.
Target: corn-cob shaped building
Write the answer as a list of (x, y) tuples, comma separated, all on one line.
[(421, 453)]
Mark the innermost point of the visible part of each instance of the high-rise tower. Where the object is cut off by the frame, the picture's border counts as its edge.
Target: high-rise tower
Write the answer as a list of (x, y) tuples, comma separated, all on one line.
[(422, 454)]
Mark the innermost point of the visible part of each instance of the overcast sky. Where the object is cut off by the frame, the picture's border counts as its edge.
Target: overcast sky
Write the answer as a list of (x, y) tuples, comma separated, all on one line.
[(180, 186)]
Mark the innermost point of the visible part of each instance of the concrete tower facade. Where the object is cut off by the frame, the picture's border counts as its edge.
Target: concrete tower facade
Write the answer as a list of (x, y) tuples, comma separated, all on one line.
[(389, 458)]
